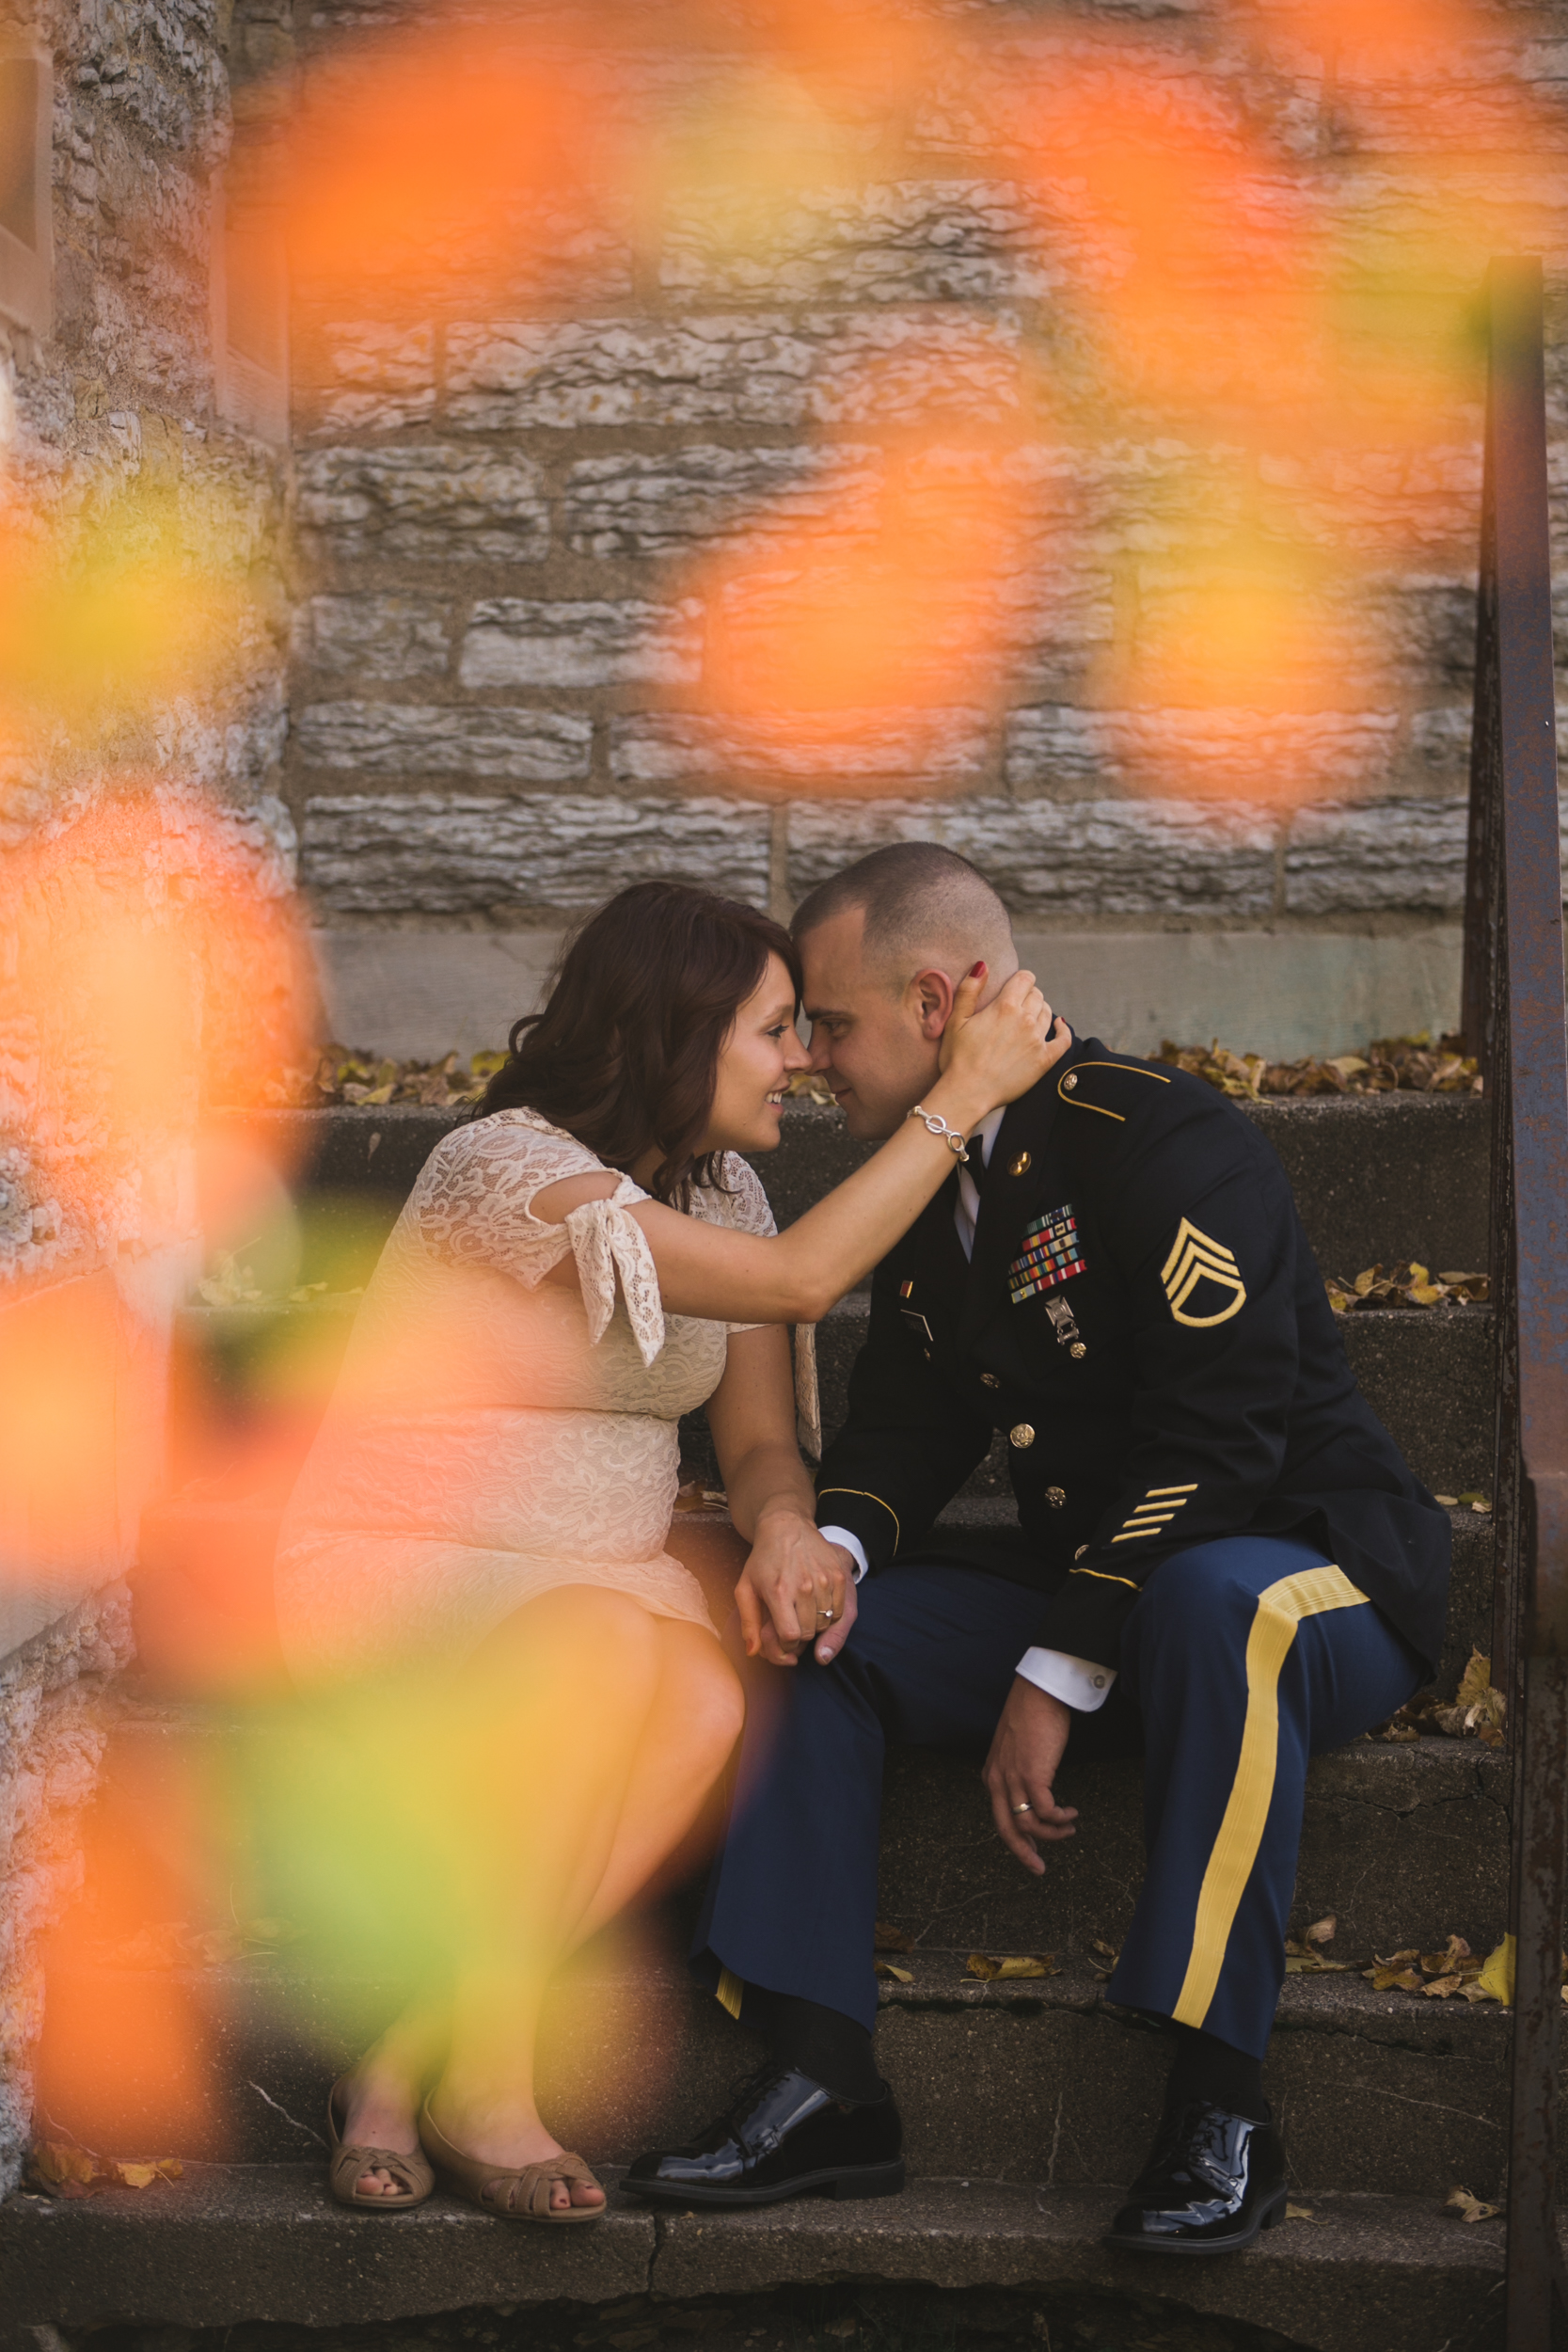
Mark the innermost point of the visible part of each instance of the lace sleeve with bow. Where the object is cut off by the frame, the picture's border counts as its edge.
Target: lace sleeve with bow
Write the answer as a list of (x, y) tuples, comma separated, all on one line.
[(472, 1205)]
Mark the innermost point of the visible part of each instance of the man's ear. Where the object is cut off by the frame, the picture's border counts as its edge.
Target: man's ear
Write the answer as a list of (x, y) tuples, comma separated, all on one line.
[(933, 994)]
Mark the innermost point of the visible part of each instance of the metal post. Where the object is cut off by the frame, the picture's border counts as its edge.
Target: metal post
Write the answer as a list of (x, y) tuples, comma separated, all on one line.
[(1515, 987)]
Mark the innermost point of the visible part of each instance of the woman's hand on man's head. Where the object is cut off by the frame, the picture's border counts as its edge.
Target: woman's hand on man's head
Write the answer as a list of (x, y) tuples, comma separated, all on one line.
[(1002, 1049)]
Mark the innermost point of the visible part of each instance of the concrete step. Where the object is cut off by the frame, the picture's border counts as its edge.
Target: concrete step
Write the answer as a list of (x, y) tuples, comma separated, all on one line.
[(1382, 1177), (1378, 2273), (1426, 1373), (1038, 2079), (1404, 1844)]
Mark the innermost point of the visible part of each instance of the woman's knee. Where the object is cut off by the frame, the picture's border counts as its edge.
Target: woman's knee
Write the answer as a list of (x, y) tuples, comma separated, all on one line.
[(699, 1683), (581, 1631)]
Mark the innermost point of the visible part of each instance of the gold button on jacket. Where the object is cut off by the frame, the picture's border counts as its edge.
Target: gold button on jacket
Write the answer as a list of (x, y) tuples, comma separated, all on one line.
[(1055, 1496), (1021, 1433)]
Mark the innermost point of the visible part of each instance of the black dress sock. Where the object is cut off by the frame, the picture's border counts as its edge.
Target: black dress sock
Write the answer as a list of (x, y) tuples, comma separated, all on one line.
[(831, 2048), (1207, 2068)]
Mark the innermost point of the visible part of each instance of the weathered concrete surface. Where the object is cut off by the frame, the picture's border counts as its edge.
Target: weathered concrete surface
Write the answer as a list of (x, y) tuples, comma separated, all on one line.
[(1367, 2274), (1406, 1844)]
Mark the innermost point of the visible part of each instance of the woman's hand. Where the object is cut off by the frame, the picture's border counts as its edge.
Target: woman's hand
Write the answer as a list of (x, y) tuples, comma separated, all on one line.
[(792, 1590), (1002, 1051)]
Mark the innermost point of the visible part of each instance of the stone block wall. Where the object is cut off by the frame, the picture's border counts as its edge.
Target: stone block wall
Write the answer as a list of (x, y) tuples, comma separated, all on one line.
[(527, 495), (146, 860)]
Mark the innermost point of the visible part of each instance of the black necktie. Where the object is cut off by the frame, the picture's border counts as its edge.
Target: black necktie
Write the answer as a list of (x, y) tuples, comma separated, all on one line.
[(978, 1169)]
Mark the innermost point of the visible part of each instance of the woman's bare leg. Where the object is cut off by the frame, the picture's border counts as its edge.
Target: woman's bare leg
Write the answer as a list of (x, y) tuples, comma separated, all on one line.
[(553, 1711), (544, 1889), (692, 1725)]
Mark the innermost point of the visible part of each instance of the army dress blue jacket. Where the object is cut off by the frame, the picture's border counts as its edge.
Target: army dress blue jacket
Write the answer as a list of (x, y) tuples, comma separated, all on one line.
[(1144, 1315)]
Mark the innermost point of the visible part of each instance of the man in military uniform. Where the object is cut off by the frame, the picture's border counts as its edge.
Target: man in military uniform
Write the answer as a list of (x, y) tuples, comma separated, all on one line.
[(1220, 1558)]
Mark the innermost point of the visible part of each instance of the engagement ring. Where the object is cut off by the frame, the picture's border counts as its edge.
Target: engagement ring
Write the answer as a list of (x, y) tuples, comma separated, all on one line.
[(1024, 1808)]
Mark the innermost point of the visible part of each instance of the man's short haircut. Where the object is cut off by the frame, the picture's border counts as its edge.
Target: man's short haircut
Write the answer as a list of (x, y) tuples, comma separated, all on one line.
[(915, 895)]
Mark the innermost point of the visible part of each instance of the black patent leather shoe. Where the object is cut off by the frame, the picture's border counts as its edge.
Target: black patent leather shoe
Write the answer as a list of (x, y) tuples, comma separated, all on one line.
[(1212, 2181), (783, 2135)]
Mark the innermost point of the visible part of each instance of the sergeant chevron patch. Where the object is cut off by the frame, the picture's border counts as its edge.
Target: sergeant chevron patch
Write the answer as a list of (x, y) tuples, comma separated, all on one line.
[(1195, 1260), (1050, 1254)]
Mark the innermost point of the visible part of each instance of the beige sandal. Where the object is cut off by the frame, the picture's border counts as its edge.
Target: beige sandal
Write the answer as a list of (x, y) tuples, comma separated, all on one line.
[(523, 2195), (409, 2168)]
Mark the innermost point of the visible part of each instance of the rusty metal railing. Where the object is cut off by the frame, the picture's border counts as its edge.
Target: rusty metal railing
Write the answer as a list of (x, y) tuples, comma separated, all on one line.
[(1514, 1016)]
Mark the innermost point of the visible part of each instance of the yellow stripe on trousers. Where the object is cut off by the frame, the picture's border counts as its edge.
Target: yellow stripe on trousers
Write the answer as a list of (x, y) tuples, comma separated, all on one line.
[(1281, 1608)]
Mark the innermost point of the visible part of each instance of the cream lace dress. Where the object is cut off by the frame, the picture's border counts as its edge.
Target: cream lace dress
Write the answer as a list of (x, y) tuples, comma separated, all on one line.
[(493, 1435)]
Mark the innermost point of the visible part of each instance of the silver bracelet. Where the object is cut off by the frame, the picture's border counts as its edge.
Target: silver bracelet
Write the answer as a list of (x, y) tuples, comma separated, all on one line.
[(957, 1143)]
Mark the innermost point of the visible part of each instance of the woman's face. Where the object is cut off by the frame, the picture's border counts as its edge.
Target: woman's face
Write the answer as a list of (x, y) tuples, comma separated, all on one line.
[(756, 1064)]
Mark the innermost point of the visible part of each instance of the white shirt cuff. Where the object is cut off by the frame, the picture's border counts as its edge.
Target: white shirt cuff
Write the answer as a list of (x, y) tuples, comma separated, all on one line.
[(852, 1545), (1076, 1681)]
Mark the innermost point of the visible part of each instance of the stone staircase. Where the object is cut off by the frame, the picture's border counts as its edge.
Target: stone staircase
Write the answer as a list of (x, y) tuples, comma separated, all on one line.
[(1023, 2099)]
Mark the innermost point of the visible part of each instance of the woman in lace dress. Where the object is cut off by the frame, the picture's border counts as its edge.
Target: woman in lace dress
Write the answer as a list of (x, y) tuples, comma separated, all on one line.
[(490, 1493)]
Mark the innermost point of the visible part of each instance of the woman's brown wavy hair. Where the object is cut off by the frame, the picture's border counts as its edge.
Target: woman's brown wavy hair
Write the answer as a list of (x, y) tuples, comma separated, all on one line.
[(625, 1052)]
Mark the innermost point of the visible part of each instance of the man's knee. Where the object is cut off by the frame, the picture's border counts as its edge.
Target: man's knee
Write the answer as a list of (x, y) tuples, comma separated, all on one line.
[(1198, 1596)]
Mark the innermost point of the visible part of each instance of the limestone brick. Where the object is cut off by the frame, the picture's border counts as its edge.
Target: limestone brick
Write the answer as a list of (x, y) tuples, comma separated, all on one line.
[(1051, 747), (366, 377), (375, 636), (1101, 856), (441, 502), (632, 503), (894, 240), (445, 853), (440, 739), (941, 747), (1372, 855), (772, 368), (521, 641)]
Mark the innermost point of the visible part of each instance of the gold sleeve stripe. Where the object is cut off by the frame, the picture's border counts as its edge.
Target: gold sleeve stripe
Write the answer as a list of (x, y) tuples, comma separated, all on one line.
[(1281, 1608), (728, 1996), (1156, 1509), (866, 1497), (1100, 1577), (1175, 1490), (1131, 1535)]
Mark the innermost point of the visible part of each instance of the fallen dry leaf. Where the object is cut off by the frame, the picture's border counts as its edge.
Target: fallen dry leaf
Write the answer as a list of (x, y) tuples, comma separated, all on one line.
[(1015, 1964), (886, 1939), (1322, 1930), (886, 1968), (68, 2170), (1407, 1285), (1469, 2208), (1397, 1970), (1496, 1981), (1477, 1713), (1299, 2213), (1387, 1065)]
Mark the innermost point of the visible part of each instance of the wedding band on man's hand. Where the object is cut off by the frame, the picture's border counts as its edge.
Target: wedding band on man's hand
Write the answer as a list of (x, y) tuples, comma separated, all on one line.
[(1025, 1808)]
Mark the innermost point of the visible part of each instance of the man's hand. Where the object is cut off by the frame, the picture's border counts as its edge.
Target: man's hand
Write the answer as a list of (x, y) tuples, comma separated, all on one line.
[(1021, 1769), (788, 1586)]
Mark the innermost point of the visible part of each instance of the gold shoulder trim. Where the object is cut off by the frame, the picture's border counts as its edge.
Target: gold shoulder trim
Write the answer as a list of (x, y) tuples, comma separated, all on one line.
[(1121, 1116)]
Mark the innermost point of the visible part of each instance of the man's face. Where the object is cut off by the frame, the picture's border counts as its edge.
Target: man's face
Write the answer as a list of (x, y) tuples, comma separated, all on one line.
[(869, 1040)]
